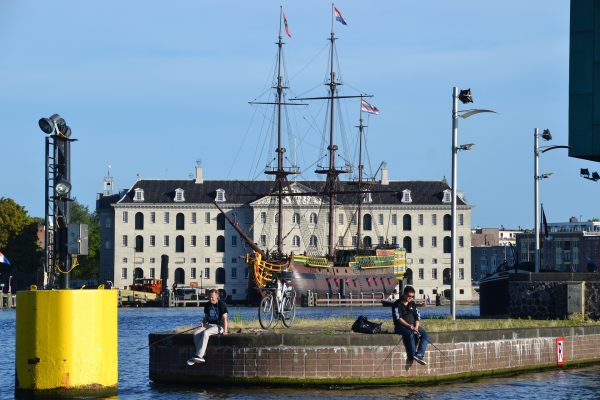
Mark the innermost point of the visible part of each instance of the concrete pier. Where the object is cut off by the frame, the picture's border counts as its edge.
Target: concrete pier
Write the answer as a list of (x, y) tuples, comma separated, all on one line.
[(350, 358)]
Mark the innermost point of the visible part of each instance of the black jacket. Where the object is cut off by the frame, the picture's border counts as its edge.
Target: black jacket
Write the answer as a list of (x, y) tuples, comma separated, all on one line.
[(408, 313), (221, 308)]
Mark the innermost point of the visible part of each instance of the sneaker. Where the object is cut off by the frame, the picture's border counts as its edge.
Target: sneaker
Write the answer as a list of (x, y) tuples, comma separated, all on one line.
[(195, 360), (419, 359)]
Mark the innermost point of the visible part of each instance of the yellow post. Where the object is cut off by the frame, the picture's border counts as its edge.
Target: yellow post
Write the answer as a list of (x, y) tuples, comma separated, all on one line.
[(66, 342)]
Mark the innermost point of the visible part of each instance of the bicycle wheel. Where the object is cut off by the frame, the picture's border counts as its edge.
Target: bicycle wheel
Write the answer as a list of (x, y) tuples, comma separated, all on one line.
[(288, 313), (265, 311)]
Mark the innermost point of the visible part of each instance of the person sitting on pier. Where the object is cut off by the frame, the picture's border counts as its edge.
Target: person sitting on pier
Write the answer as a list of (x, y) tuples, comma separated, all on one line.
[(214, 322), (406, 323)]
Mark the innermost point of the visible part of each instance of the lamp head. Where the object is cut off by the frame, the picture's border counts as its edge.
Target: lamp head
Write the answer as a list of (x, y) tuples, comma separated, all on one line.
[(584, 172), (465, 96), (62, 188), (467, 146), (595, 176), (546, 135), (54, 123)]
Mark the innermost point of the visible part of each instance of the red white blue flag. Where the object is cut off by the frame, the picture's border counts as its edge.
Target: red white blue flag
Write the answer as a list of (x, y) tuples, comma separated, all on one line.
[(287, 29), (3, 259), (369, 108), (338, 16)]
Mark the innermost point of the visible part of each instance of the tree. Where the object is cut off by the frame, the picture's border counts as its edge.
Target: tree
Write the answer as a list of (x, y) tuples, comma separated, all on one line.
[(13, 219), (89, 266)]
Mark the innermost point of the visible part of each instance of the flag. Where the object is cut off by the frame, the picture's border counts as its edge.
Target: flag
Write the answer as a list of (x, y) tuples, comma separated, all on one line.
[(338, 16), (3, 259), (287, 29), (544, 223), (365, 106)]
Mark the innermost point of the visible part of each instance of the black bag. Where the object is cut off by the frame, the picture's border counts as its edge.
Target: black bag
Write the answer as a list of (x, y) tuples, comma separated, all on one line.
[(363, 325)]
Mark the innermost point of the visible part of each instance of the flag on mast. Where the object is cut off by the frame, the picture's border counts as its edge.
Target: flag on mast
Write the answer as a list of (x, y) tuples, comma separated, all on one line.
[(338, 16), (3, 259), (544, 223), (287, 29), (369, 108)]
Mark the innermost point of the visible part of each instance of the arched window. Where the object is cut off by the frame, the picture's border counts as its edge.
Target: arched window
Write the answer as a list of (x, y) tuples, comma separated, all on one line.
[(220, 222), (220, 276), (276, 218), (447, 276), (407, 244), (139, 243), (447, 222), (313, 241), (138, 273), (367, 242), (179, 245), (179, 222), (313, 218), (447, 244), (367, 222), (221, 244), (408, 276), (180, 276), (296, 218), (139, 221), (407, 222), (296, 241)]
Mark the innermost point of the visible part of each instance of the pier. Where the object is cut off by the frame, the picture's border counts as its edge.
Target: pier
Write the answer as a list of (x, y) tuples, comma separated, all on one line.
[(8, 300)]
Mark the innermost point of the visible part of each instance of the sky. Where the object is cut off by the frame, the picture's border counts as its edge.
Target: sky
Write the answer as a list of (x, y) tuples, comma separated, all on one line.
[(150, 87)]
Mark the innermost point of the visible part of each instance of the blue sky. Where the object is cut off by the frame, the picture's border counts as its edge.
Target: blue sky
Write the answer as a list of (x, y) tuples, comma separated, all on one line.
[(150, 87)]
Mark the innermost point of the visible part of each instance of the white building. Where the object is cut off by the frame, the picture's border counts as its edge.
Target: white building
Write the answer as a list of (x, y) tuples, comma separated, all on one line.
[(177, 218)]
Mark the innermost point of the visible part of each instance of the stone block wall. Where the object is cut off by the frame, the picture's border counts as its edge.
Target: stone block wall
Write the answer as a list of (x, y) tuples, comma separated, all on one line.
[(538, 300)]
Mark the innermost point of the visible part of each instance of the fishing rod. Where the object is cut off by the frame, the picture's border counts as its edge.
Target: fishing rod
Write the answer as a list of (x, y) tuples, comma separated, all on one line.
[(167, 337), (434, 346)]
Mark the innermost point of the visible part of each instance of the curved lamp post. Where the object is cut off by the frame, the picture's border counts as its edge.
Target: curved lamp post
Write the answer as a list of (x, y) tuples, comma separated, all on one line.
[(465, 97), (537, 177)]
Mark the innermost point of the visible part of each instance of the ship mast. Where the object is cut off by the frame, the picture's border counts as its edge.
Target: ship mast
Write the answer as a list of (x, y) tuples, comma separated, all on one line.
[(360, 177)]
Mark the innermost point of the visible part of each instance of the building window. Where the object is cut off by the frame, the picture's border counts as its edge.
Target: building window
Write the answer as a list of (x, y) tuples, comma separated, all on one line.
[(421, 241), (166, 241), (263, 217), (340, 241), (193, 241), (447, 222), (461, 241), (193, 260), (220, 196), (206, 260), (139, 195), (125, 216), (221, 244), (179, 222), (406, 198), (434, 241), (166, 217), (367, 198), (313, 241), (420, 219), (447, 197), (447, 244), (296, 218), (152, 272), (434, 274), (313, 218), (153, 217), (296, 241), (380, 219), (276, 218), (340, 219), (139, 243), (380, 240), (207, 241), (407, 222), (421, 261), (461, 219), (152, 240), (461, 273), (433, 219), (434, 261), (206, 273), (407, 244), (193, 218), (234, 260), (233, 273), (367, 222), (123, 273), (354, 241), (394, 239), (263, 240), (193, 273), (394, 219), (461, 291), (421, 273), (207, 218), (179, 195), (461, 260), (107, 223), (124, 241), (152, 260), (234, 241), (124, 260)]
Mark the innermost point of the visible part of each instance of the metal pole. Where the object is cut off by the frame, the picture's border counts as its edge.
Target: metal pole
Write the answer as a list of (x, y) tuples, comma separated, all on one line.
[(454, 194), (536, 200)]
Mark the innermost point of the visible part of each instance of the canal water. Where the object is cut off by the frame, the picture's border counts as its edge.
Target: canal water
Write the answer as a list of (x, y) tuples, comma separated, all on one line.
[(136, 323)]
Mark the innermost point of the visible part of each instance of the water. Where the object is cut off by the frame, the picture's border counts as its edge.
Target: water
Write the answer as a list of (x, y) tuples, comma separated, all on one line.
[(136, 323)]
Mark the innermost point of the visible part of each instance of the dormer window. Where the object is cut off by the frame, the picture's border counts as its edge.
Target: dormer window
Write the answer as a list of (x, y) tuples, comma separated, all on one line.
[(367, 198), (138, 195), (179, 195), (406, 196), (220, 196), (447, 196)]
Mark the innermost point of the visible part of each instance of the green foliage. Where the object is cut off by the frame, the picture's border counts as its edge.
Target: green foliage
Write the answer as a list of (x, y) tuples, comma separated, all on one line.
[(13, 219), (89, 266)]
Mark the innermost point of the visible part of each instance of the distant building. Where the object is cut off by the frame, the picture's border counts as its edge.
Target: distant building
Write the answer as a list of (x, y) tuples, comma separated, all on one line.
[(572, 246), (490, 248), (178, 218)]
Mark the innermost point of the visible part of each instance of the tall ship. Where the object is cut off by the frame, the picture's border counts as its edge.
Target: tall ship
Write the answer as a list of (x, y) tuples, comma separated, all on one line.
[(327, 216)]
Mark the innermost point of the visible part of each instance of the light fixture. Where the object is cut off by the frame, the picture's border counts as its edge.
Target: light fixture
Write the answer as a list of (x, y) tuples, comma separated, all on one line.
[(465, 96), (595, 176), (55, 123), (467, 146), (62, 187), (585, 173), (546, 175), (546, 135)]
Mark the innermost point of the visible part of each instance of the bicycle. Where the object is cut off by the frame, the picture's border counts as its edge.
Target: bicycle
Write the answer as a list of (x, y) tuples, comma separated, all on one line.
[(278, 304)]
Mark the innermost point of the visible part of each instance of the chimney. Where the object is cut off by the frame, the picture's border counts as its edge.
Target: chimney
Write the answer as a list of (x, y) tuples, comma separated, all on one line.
[(385, 175), (199, 176)]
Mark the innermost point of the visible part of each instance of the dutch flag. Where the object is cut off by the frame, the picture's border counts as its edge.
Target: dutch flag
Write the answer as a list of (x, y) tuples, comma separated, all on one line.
[(338, 16), (3, 259)]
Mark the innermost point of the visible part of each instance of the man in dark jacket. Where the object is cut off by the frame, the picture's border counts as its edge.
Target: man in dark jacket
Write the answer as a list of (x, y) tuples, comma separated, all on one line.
[(214, 322), (406, 323)]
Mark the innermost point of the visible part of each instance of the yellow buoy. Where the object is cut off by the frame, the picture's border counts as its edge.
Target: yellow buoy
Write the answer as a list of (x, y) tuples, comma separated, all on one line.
[(66, 342)]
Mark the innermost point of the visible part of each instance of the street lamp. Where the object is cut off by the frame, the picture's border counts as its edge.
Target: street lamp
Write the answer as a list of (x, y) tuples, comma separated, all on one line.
[(585, 173), (546, 135), (465, 97)]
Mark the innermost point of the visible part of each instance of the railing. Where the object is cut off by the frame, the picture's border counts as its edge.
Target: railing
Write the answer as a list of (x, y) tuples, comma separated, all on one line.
[(8, 300), (354, 300)]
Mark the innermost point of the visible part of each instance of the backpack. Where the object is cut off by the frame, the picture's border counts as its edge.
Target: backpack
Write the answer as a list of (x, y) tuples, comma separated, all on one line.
[(363, 325)]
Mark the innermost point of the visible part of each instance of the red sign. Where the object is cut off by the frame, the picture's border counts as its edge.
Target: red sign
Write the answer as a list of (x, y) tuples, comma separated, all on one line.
[(560, 351)]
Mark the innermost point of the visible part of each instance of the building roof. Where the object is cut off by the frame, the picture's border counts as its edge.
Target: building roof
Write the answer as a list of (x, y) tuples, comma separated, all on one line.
[(245, 192)]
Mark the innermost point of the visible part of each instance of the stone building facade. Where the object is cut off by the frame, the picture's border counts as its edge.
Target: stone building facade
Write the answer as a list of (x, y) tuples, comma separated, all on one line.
[(178, 218)]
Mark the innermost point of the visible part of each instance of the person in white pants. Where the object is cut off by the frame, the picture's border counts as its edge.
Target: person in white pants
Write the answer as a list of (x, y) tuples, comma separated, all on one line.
[(214, 322)]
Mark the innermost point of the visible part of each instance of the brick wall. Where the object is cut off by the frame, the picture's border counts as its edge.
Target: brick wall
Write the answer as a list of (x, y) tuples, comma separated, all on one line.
[(348, 358)]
